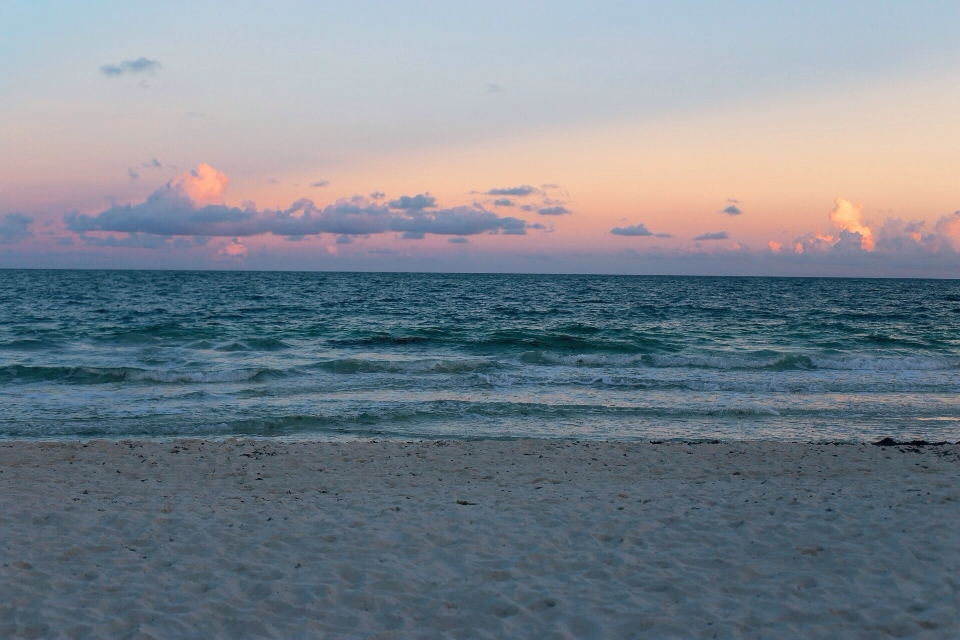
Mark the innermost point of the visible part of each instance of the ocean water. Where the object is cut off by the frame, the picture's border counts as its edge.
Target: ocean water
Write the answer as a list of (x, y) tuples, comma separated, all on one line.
[(344, 355)]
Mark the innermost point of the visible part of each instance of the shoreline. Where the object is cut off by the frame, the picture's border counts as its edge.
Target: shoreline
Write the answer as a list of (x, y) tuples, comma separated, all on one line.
[(253, 537), (327, 439)]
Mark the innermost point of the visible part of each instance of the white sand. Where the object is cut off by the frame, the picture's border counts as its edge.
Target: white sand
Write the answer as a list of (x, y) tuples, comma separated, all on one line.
[(255, 538)]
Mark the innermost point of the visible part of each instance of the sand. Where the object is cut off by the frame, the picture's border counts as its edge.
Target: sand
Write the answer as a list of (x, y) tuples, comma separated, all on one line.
[(254, 538)]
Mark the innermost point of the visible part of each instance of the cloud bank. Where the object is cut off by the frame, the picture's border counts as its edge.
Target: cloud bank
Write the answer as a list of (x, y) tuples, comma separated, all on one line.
[(187, 206), (894, 236), (189, 212), (140, 65)]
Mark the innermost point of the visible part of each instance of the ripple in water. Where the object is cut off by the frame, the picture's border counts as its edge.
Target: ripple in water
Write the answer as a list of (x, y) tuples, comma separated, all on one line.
[(87, 353)]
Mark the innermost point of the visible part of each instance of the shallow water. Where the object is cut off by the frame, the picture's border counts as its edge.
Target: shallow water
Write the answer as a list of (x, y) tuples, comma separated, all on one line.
[(151, 353)]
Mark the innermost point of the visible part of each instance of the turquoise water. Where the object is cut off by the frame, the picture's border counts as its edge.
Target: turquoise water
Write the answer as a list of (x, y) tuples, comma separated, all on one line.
[(151, 353)]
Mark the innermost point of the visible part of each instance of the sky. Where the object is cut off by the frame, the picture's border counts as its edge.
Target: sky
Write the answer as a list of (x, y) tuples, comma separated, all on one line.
[(734, 138)]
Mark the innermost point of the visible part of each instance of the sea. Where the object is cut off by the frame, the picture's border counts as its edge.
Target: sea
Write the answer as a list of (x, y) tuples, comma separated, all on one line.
[(164, 354)]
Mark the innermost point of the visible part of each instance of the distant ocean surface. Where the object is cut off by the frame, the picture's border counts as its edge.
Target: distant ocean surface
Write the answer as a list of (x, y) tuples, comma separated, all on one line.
[(343, 355)]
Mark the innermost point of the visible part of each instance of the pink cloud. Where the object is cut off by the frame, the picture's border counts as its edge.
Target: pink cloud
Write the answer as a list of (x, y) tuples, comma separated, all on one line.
[(203, 184), (235, 249), (893, 236), (948, 230), (847, 216)]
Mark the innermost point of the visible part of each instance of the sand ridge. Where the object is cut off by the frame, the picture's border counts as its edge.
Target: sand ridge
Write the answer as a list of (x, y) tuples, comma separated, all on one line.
[(478, 539)]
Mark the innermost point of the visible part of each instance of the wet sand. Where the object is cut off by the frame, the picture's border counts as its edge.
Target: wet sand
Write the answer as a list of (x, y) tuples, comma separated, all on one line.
[(487, 539)]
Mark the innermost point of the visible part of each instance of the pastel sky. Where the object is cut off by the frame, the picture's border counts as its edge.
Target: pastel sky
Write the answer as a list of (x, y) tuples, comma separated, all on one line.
[(755, 138)]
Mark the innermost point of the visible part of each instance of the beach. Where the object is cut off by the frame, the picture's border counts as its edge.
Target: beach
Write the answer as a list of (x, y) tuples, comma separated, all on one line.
[(478, 539)]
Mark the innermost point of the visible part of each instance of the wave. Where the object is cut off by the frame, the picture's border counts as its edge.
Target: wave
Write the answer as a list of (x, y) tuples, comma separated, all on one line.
[(761, 381), (743, 409), (773, 362), (495, 380), (236, 375), (628, 344), (104, 375), (581, 359), (380, 339), (80, 375), (737, 418), (904, 363), (152, 334), (775, 374), (29, 344), (253, 344), (426, 365), (370, 413), (667, 360)]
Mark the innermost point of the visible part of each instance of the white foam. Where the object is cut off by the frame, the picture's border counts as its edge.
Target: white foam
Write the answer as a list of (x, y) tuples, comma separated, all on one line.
[(717, 362), (496, 380), (592, 359), (905, 363)]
